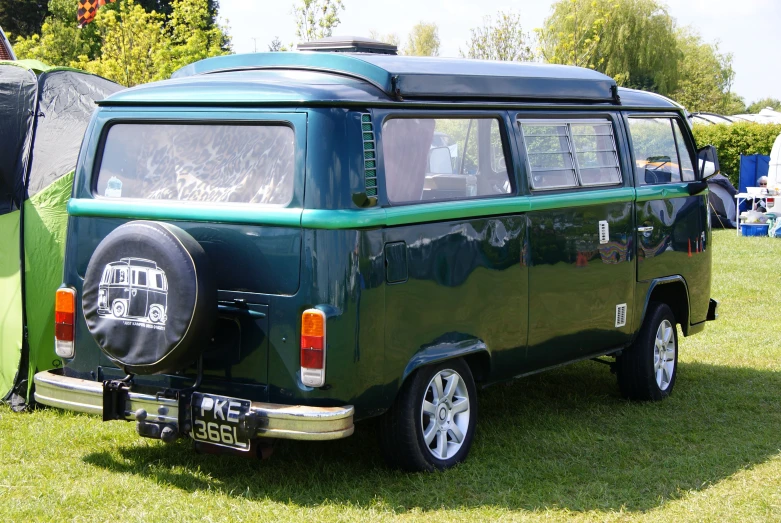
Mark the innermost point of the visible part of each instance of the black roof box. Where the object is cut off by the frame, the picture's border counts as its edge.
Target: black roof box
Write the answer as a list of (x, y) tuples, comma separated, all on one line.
[(348, 44)]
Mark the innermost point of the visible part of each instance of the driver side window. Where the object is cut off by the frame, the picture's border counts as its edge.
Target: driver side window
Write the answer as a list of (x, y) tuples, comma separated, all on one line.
[(659, 150)]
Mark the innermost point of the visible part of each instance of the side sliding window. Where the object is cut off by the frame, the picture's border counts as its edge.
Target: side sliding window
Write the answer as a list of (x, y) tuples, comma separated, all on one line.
[(570, 153), (444, 159)]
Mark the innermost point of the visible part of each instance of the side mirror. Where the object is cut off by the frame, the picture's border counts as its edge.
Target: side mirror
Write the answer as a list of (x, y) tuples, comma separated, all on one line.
[(439, 161), (708, 159)]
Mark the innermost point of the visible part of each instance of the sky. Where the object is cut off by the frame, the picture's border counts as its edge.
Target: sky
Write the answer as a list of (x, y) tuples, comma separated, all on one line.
[(749, 29)]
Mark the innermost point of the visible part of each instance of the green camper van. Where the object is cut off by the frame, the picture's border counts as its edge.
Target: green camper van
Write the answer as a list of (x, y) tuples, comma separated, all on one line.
[(342, 233)]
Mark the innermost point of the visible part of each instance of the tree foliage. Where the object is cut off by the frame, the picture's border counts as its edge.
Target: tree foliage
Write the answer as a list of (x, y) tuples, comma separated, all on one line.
[(126, 43), (577, 37), (194, 36), (316, 18), (503, 39), (732, 140), (423, 40), (733, 104), (705, 76), (133, 45), (631, 40), (60, 41), (23, 17), (390, 38), (165, 7), (276, 45), (757, 106)]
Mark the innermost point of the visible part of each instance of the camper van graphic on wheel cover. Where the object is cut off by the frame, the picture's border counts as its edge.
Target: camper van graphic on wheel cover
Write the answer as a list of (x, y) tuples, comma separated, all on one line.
[(133, 288)]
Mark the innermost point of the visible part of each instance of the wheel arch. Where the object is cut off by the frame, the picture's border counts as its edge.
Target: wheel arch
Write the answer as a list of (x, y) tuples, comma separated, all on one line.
[(474, 352), (674, 292)]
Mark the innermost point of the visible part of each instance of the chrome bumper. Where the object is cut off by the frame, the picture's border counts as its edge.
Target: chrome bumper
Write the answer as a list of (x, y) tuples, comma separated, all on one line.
[(279, 421)]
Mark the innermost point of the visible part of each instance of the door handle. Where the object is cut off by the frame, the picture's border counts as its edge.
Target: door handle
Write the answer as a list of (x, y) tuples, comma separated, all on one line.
[(646, 229)]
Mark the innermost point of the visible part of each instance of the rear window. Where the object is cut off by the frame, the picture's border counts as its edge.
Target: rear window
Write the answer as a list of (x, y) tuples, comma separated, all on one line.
[(199, 163)]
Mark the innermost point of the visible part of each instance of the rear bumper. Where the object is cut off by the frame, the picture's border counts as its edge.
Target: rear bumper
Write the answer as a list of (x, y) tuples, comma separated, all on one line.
[(277, 421)]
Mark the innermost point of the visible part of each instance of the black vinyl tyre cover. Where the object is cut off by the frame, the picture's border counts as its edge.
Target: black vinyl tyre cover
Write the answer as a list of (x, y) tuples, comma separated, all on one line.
[(150, 297)]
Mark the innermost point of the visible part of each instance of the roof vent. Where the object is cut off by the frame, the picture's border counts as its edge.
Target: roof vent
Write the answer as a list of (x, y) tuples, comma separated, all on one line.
[(348, 44)]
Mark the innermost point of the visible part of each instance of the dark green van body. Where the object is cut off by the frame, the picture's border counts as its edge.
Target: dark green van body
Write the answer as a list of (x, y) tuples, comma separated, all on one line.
[(514, 283)]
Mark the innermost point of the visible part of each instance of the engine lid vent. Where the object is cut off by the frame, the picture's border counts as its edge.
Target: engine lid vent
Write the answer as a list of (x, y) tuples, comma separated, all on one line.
[(621, 315), (369, 155), (348, 44)]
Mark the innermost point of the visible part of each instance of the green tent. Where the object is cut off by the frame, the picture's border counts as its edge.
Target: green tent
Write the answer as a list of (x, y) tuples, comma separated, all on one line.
[(44, 112)]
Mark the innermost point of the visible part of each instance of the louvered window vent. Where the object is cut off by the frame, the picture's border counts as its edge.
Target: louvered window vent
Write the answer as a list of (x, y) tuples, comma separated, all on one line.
[(621, 315)]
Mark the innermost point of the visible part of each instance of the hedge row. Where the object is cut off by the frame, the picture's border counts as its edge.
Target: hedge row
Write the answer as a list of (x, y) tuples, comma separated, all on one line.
[(733, 140)]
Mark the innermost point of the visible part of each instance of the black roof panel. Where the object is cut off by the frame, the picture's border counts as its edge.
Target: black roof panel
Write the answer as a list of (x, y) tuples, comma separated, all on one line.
[(432, 78)]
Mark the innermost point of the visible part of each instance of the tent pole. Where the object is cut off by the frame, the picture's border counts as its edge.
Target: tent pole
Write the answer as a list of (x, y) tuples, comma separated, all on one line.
[(18, 394)]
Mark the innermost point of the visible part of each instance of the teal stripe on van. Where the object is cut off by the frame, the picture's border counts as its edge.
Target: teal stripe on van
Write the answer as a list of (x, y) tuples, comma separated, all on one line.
[(357, 218), (580, 198), (661, 192), (185, 211)]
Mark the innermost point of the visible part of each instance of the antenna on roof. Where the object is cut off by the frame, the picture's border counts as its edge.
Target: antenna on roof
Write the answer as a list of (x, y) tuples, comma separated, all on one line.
[(348, 44)]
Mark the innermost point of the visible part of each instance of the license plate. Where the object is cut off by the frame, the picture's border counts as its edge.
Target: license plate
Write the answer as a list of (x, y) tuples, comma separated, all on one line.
[(216, 420)]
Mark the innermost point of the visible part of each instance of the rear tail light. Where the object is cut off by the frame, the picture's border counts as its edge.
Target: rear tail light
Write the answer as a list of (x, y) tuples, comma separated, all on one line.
[(313, 348), (64, 309)]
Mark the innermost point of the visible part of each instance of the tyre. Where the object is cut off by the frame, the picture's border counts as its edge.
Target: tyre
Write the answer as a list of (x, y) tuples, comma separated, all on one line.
[(156, 314), (119, 309), (432, 423), (647, 370), (183, 278)]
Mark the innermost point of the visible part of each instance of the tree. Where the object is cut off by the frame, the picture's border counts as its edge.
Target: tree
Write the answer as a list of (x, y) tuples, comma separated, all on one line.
[(585, 26), (126, 43), (390, 38), (733, 104), (757, 106), (503, 40), (705, 76), (194, 36), (423, 40), (133, 45), (632, 40), (316, 18), (23, 17), (166, 8), (276, 45), (60, 41)]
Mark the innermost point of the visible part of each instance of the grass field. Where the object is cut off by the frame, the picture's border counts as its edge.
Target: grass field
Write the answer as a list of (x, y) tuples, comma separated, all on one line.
[(559, 446)]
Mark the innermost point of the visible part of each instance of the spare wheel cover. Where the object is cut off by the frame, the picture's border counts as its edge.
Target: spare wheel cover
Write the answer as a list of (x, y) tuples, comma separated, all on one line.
[(149, 297)]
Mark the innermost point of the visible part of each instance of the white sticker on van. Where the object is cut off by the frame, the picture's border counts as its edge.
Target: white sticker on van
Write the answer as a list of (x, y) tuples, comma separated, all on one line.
[(134, 290)]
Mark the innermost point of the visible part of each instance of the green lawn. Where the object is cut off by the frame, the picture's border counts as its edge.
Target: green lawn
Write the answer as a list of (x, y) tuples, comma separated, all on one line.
[(559, 446)]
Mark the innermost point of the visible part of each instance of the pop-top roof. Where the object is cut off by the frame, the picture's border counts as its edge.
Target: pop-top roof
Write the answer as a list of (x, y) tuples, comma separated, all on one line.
[(411, 77)]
